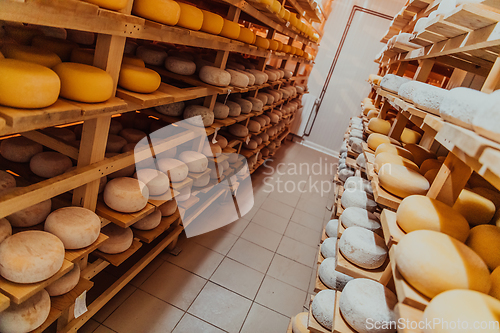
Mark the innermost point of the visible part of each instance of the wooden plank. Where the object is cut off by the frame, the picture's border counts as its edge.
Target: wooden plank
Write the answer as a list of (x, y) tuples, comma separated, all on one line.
[(123, 220), (4, 302), (490, 170), (113, 105), (63, 302), (119, 258), (54, 314), (473, 16), (289, 329), (446, 29), (392, 232), (312, 325), (380, 274), (382, 197), (409, 315), (19, 293), (146, 100), (339, 324), (53, 143), (76, 255), (148, 236)]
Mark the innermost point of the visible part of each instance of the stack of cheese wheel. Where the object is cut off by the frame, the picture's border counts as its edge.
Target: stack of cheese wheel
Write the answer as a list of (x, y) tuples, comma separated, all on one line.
[(363, 247), (126, 195), (120, 239)]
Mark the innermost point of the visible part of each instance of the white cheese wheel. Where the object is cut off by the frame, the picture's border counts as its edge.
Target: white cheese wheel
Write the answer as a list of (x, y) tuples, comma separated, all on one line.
[(76, 227), (433, 262), (474, 207), (152, 55), (196, 162), (175, 169), (238, 130), (378, 125), (115, 143), (19, 149), (238, 79), (358, 183), (180, 66), (363, 301), (156, 181), (5, 229), (392, 82), (359, 199), (355, 133), (363, 247), (329, 247), (300, 323), (330, 277), (485, 241), (408, 89), (168, 208), (385, 158), (332, 228), (26, 316), (356, 145), (234, 109), (50, 164), (323, 308), (32, 215), (126, 195), (30, 256), (418, 212), (203, 180), (65, 283), (221, 111), (345, 173), (402, 181), (461, 105), (429, 98), (149, 222), (215, 76), (120, 239), (207, 116), (359, 217), (173, 109)]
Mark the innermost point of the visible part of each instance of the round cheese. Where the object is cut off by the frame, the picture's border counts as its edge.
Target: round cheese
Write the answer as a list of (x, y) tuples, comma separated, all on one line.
[(133, 61), (32, 215), (461, 105), (363, 247), (168, 208), (139, 79), (323, 308), (212, 23), (252, 144), (114, 127), (152, 55), (392, 82), (402, 181), (410, 136), (384, 158), (408, 90), (31, 54), (372, 114), (163, 11), (184, 194), (332, 228), (50, 164), (418, 212), (149, 222), (203, 180), (420, 153), (359, 217), (7, 181), (495, 283), (156, 181), (246, 35), (30, 256), (474, 207), (196, 162), (356, 145), (358, 183), (485, 241), (329, 276), (27, 85), (390, 148), (113, 4), (359, 199), (238, 79), (230, 29), (215, 76), (19, 149), (115, 143), (300, 323), (376, 139), (238, 130), (176, 169), (429, 98), (217, 173), (221, 111), (66, 283), (126, 195), (366, 301), (61, 47), (180, 66), (262, 43), (211, 150), (433, 262), (191, 17), (174, 109), (76, 227), (5, 229), (246, 105), (26, 316), (132, 135), (196, 112), (378, 125), (361, 161), (120, 239), (345, 173)]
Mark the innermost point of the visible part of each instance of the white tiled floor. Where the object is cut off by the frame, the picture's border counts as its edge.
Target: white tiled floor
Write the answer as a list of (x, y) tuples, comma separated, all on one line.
[(249, 276)]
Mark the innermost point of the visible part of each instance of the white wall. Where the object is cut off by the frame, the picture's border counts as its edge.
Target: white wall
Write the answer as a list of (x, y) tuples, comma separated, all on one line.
[(348, 84)]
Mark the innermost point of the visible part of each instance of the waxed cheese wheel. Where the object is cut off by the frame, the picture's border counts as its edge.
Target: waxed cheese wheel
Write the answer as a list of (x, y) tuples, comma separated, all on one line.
[(19, 149), (378, 125), (76, 227), (113, 4), (152, 55), (238, 79), (30, 256), (180, 66), (234, 109), (168, 208), (390, 148), (364, 301), (27, 316), (50, 164), (363, 247), (323, 308), (156, 181), (215, 76), (359, 217), (230, 29), (7, 181), (139, 79), (254, 126), (120, 239), (173, 109), (384, 158), (328, 274), (66, 283), (300, 323), (5, 229), (358, 198), (420, 153), (163, 11), (32, 215), (238, 130), (418, 212), (176, 169), (433, 262), (402, 181), (474, 207), (212, 23), (31, 54), (485, 241), (115, 143), (126, 195), (221, 111), (376, 139), (410, 136), (149, 222), (196, 162)]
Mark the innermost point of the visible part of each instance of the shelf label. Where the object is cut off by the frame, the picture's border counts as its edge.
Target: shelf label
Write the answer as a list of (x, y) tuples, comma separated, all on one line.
[(81, 304), (247, 139), (214, 138), (227, 96)]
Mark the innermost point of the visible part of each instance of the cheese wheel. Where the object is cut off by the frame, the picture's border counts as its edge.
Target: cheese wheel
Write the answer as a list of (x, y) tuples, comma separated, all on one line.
[(174, 109), (126, 195), (215, 76), (375, 139), (300, 323), (50, 164), (175, 169), (109, 4), (392, 82), (202, 181), (196, 162), (246, 105), (5, 229), (431, 175), (485, 241), (184, 194), (221, 111), (364, 301), (26, 316), (230, 29), (260, 120), (361, 161), (378, 125), (221, 141), (420, 153), (193, 113), (264, 136), (168, 208), (238, 130), (139, 79), (27, 85), (252, 144), (19, 149), (134, 61), (402, 181), (217, 173), (494, 196), (65, 283), (115, 143), (368, 108), (76, 227), (495, 283), (32, 215), (410, 136), (429, 165), (273, 45), (212, 23), (180, 66), (262, 43), (474, 207), (149, 222), (152, 55), (132, 135), (390, 148), (433, 262), (345, 173), (30, 256), (238, 79), (358, 183), (31, 54), (359, 199), (211, 150), (372, 114), (156, 181), (363, 247), (120, 239), (323, 308), (61, 47), (61, 133), (251, 77), (329, 247), (191, 17), (359, 217), (246, 36), (356, 145), (328, 274), (163, 11), (254, 126), (384, 158)]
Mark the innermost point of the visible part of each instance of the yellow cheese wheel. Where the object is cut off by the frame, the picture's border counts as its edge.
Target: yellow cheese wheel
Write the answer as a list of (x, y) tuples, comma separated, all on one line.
[(433, 262), (287, 15), (262, 42), (266, 2), (32, 54), (83, 56), (163, 11), (494, 196), (84, 83), (287, 48), (134, 61), (418, 212), (402, 181), (61, 47), (273, 45), (420, 153), (230, 29), (376, 139), (27, 85), (431, 175), (410, 136), (485, 241), (463, 311), (367, 108), (378, 125), (390, 148), (110, 4), (429, 165), (276, 6), (476, 208), (139, 79), (495, 283), (212, 23), (246, 36), (280, 46), (384, 158), (191, 17), (282, 12), (372, 114)]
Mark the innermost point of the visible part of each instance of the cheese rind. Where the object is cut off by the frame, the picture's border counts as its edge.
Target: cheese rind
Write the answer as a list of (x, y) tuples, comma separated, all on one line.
[(26, 316), (139, 79), (126, 195), (402, 181), (384, 158), (357, 198), (212, 23), (215, 76), (190, 17), (323, 308), (168, 208), (230, 29), (19, 149), (50, 164), (110, 4), (328, 274), (359, 217), (474, 207), (149, 222), (390, 148), (363, 247), (378, 125), (65, 283), (5, 229), (485, 240), (196, 112), (163, 11), (31, 54), (120, 239), (156, 181)]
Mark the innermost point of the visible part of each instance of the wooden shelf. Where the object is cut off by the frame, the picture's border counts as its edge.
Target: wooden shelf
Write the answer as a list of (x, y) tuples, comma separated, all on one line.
[(76, 255), (191, 80), (339, 324), (193, 200), (379, 274), (147, 236), (4, 302), (119, 258), (409, 315), (123, 220), (313, 325), (63, 302), (392, 232), (54, 314)]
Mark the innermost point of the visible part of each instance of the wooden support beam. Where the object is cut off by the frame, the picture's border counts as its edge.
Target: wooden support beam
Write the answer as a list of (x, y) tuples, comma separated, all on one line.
[(109, 54), (383, 110), (423, 70), (398, 126), (52, 143), (402, 68), (493, 79), (456, 79), (428, 138)]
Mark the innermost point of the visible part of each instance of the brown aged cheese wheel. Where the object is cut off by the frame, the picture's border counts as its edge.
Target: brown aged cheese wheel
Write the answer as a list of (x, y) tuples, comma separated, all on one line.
[(65, 283), (126, 195), (120, 239), (50, 164), (26, 316), (19, 149), (168, 208), (149, 222)]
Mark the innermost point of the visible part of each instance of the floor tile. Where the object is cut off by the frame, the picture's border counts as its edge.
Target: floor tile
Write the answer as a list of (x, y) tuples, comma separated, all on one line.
[(262, 236), (218, 240), (174, 285), (251, 213), (114, 303), (146, 272), (141, 313), (251, 255), (290, 199), (221, 307), (89, 327), (238, 278), (270, 221), (191, 324), (103, 329), (303, 234), (236, 228), (261, 319), (278, 208), (197, 259), (297, 251), (280, 297), (312, 207), (307, 220), (291, 272)]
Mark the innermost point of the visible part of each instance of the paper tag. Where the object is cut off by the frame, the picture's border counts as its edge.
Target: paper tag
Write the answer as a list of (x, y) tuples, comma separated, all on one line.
[(227, 96), (281, 107), (247, 140), (81, 304), (214, 140)]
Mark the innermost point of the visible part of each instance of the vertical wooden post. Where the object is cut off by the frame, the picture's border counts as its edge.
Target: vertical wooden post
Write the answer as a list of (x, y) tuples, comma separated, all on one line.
[(398, 126), (493, 78), (456, 79), (383, 110), (428, 138), (392, 68), (423, 70), (402, 68)]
